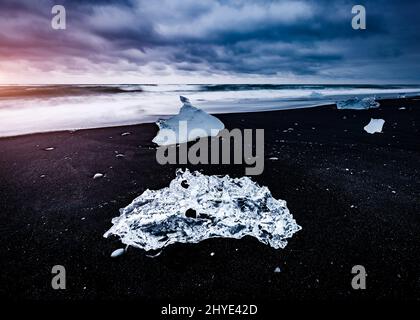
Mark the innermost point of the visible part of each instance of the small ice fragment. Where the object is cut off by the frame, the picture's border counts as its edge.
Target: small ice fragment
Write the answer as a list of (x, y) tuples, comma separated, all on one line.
[(189, 124), (98, 175), (393, 191), (273, 158), (120, 155), (402, 108), (375, 125), (49, 149), (117, 253), (125, 134), (154, 255), (277, 270), (212, 254)]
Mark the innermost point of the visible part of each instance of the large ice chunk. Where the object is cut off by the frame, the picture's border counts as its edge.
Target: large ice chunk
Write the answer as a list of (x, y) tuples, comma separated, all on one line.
[(197, 123), (375, 125), (358, 104), (196, 207)]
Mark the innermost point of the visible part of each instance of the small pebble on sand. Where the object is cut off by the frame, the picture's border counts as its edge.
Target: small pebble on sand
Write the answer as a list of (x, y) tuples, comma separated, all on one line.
[(117, 253)]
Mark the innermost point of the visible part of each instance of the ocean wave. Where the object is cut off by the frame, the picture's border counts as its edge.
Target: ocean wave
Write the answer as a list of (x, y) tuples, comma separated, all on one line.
[(61, 91), (31, 109), (312, 87)]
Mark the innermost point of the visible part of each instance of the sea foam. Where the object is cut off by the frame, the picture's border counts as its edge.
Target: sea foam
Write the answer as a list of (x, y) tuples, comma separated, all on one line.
[(29, 109)]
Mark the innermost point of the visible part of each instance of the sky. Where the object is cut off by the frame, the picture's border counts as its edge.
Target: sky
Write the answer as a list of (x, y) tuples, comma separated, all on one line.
[(220, 41)]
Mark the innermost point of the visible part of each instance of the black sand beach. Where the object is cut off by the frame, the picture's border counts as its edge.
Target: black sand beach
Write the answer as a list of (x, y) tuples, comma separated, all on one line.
[(356, 195)]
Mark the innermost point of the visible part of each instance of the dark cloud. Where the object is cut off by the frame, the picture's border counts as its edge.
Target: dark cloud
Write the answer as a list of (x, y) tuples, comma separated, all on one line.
[(302, 38)]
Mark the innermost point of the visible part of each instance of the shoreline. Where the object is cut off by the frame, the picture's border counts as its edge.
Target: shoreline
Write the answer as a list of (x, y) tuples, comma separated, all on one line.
[(337, 180), (261, 110)]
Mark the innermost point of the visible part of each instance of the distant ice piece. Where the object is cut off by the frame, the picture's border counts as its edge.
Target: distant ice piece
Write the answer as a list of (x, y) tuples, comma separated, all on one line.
[(98, 176), (195, 119), (358, 104), (224, 207), (315, 94), (375, 125)]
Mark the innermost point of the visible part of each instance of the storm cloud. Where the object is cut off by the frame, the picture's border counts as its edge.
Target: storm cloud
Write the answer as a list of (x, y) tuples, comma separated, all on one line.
[(284, 40)]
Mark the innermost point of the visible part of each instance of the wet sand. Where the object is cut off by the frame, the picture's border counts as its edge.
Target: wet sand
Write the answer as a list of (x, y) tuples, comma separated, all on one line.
[(356, 196)]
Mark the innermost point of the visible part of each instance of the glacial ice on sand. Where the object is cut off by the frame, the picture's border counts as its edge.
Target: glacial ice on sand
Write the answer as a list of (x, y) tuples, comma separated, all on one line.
[(375, 125), (195, 119), (358, 104), (222, 206)]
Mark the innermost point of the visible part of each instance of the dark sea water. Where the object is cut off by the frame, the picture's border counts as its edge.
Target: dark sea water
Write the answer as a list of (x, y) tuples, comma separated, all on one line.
[(41, 108)]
